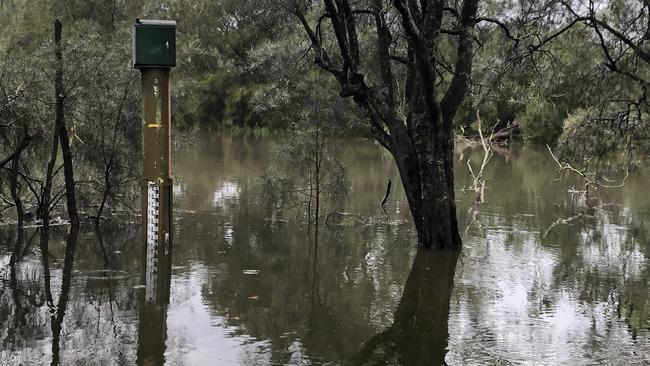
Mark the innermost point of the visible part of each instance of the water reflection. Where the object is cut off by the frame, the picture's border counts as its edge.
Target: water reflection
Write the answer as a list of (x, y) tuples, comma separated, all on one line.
[(58, 311), (152, 305), (248, 290), (418, 335), (64, 292), (23, 301)]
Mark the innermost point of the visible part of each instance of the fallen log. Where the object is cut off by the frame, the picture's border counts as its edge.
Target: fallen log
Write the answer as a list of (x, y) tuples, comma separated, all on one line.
[(505, 133)]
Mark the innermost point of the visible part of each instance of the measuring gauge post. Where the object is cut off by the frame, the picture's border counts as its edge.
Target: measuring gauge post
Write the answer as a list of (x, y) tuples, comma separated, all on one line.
[(154, 54)]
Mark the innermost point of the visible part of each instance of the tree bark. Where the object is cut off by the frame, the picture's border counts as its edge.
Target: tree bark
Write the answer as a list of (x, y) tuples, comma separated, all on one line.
[(426, 170), (420, 137), (64, 139), (15, 195)]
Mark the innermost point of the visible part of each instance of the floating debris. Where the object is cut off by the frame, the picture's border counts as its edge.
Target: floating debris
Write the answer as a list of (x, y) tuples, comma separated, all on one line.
[(276, 221), (251, 272)]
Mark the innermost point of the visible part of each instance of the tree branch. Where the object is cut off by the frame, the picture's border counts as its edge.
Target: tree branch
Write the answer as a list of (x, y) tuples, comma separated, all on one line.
[(460, 82)]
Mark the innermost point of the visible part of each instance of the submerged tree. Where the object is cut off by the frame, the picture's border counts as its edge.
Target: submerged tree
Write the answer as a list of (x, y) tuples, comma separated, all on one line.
[(74, 106), (392, 71), (315, 172)]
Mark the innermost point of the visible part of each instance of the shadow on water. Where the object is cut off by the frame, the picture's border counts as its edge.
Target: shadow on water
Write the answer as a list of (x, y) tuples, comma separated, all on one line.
[(419, 333)]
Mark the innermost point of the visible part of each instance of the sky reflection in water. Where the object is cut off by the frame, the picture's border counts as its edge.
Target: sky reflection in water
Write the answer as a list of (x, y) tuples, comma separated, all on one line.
[(575, 294)]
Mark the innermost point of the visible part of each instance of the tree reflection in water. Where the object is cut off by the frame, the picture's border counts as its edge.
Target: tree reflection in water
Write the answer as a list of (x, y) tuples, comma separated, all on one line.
[(23, 301), (575, 294), (419, 333), (57, 312)]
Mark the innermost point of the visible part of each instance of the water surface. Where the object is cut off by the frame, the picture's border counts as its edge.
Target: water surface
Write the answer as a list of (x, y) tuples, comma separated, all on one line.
[(545, 277)]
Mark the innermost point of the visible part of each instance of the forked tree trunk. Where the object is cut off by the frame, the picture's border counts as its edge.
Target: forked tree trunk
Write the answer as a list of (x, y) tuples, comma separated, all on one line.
[(419, 135)]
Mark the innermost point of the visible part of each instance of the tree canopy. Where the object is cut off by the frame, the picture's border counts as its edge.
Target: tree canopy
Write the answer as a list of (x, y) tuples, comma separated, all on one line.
[(568, 73)]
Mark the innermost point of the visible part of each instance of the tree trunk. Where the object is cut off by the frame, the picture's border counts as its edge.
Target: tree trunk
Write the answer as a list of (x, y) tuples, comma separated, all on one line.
[(64, 138), (426, 171), (106, 193), (44, 209), (15, 195), (419, 135)]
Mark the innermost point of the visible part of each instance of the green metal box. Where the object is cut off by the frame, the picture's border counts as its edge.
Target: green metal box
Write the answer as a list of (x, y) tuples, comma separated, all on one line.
[(154, 43)]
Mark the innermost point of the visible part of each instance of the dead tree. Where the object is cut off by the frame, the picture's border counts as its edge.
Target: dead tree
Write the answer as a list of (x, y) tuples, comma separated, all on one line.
[(59, 121), (478, 182), (591, 180)]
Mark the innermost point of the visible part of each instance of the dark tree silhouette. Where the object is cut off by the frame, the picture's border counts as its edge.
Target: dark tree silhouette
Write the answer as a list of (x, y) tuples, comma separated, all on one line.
[(419, 137), (62, 130)]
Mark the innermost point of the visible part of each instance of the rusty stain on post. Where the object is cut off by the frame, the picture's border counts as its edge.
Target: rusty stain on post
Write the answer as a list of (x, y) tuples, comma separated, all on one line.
[(156, 124)]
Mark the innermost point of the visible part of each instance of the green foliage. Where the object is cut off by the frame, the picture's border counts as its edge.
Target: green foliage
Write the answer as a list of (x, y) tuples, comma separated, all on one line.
[(246, 65), (603, 142), (541, 121)]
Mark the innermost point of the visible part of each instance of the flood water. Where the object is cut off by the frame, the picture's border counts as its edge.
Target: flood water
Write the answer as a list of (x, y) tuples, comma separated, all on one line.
[(545, 277)]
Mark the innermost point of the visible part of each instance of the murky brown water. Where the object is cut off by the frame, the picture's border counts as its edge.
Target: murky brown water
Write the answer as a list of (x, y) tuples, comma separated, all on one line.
[(248, 290)]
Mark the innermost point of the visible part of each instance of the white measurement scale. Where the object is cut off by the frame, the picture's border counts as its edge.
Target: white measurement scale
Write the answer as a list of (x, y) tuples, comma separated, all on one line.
[(153, 213)]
